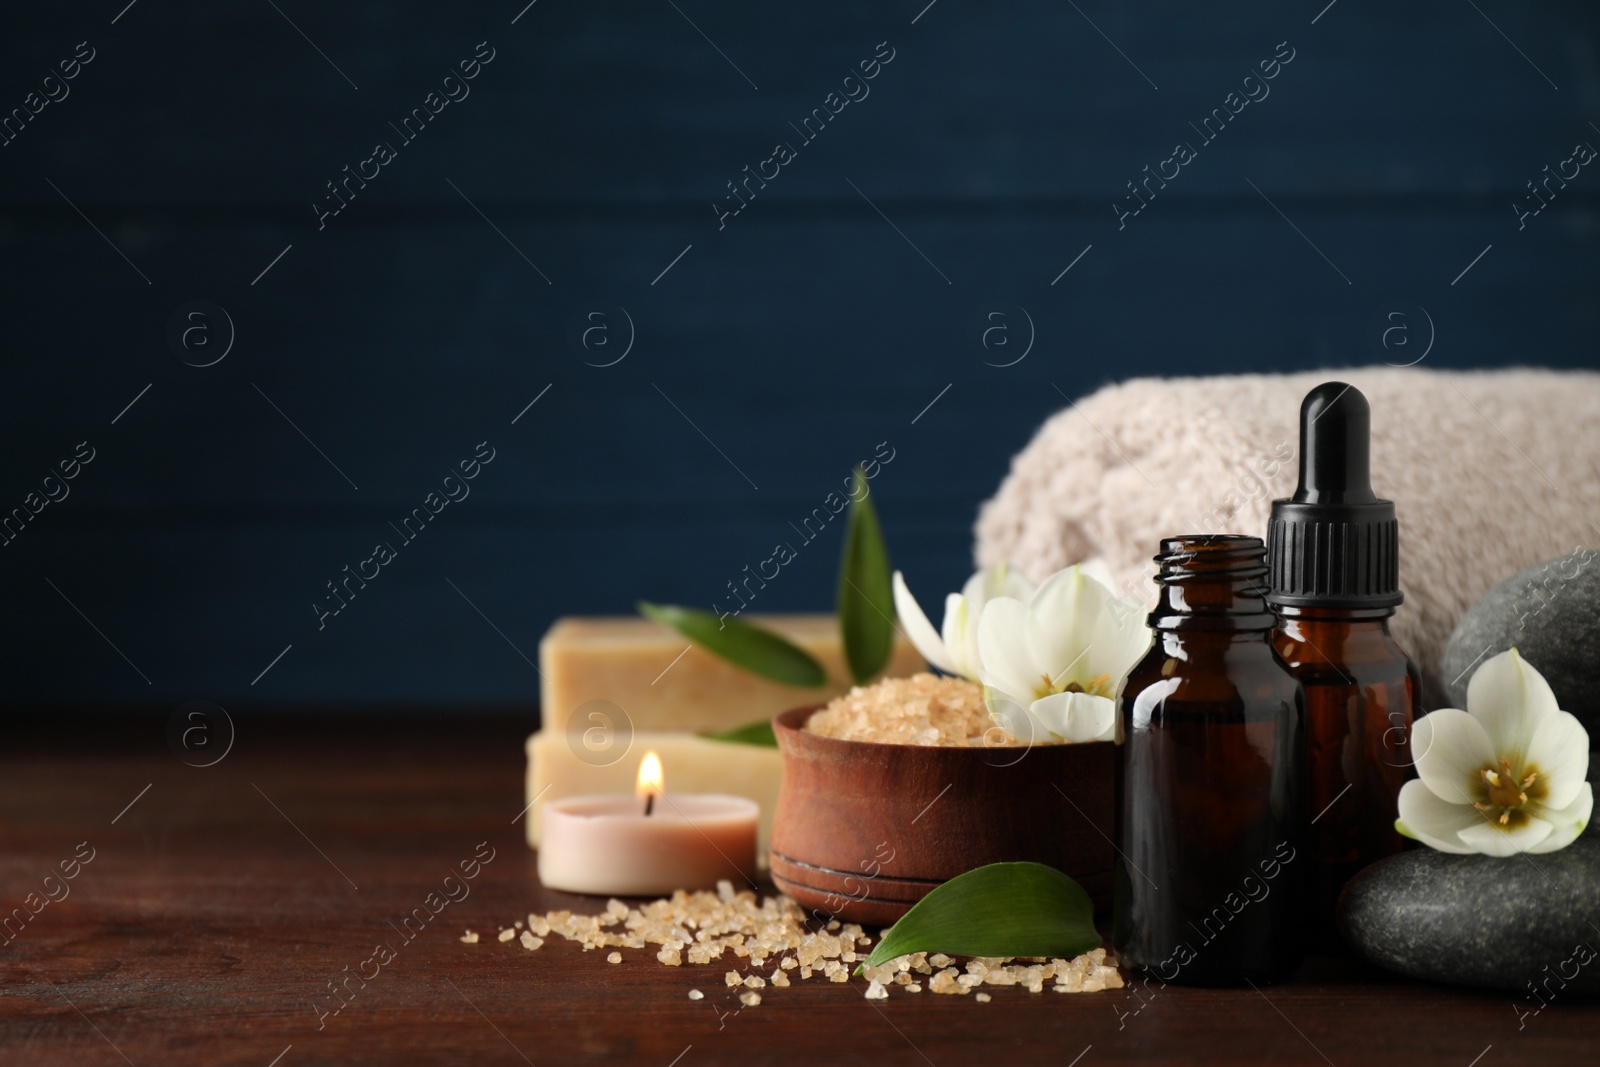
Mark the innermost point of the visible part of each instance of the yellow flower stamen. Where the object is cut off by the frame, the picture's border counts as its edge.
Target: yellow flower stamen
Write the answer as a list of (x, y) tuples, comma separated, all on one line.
[(1506, 794), (1099, 686)]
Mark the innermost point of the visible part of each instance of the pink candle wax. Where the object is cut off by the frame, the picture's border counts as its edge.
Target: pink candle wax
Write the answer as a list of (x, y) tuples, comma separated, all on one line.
[(606, 844)]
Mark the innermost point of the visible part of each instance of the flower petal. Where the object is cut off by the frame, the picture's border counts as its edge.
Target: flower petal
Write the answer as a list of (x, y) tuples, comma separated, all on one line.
[(1121, 640), (919, 629), (1098, 570), (976, 591), (1076, 716), (997, 581), (1559, 750), (1012, 717), (1490, 838), (1003, 647), (962, 612), (1569, 822), (1064, 617), (1509, 698), (960, 634), (1452, 750), (1436, 823)]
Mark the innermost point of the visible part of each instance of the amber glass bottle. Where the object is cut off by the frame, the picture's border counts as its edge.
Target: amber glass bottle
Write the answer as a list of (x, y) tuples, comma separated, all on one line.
[(1360, 690), (1211, 779), (1335, 582)]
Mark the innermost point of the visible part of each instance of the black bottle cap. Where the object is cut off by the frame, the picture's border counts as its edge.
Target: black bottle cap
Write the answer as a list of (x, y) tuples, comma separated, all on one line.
[(1335, 544)]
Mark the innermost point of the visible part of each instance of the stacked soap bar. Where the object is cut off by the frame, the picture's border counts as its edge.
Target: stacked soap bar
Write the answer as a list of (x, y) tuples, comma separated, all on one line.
[(613, 689)]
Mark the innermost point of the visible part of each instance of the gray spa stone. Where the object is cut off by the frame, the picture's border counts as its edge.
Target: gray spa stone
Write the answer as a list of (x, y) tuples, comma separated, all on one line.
[(1482, 921), (1551, 614)]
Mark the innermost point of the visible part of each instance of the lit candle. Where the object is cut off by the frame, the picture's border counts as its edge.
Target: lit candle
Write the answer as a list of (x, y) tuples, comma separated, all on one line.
[(650, 843)]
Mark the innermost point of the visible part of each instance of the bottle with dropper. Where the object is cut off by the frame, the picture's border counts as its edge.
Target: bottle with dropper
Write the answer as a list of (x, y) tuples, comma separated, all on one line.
[(1334, 555)]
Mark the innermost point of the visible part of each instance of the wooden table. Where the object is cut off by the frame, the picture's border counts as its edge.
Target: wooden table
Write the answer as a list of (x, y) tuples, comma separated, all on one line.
[(222, 903)]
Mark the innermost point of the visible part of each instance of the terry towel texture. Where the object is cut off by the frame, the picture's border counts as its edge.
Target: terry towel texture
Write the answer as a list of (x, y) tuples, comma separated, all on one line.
[(1490, 472)]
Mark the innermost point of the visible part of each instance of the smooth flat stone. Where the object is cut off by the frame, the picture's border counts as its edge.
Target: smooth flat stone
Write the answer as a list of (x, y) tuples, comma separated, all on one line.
[(1483, 921), (1551, 614)]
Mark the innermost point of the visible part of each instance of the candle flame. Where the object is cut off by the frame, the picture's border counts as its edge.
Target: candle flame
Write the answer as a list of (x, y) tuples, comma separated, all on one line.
[(651, 781)]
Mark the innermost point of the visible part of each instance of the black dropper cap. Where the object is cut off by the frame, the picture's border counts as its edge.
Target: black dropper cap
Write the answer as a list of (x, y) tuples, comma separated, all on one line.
[(1335, 544)]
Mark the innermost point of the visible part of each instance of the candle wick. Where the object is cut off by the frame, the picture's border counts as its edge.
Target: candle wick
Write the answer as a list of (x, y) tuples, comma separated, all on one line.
[(649, 803)]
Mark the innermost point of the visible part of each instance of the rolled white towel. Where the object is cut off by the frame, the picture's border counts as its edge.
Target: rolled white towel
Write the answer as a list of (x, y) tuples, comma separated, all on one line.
[(1490, 472)]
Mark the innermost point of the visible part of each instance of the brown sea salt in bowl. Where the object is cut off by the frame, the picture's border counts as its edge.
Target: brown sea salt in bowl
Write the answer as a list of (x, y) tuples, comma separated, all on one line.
[(865, 829)]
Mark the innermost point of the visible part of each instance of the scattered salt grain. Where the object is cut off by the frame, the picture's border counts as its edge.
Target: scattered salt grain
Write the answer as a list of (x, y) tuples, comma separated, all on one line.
[(776, 934), (469, 938), (695, 994), (983, 998)]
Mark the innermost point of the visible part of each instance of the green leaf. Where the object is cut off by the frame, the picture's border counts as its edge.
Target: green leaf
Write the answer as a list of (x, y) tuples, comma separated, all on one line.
[(866, 598), (750, 647), (754, 733), (1004, 909)]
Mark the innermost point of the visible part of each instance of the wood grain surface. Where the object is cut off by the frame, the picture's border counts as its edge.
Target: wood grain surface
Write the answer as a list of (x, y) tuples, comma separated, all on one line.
[(218, 907)]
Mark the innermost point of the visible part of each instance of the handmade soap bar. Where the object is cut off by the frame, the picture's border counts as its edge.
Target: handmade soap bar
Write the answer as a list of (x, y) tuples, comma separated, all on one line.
[(659, 681), (691, 764)]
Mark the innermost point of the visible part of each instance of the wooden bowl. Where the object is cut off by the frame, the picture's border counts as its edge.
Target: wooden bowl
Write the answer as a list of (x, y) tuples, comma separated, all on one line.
[(864, 830)]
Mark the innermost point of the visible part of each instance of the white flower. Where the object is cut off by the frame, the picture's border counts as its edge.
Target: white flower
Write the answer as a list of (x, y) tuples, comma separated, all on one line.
[(956, 651), (1054, 662), (1503, 777)]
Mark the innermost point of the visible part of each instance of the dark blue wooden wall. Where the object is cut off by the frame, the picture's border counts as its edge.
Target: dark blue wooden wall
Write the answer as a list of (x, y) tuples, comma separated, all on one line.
[(771, 350)]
